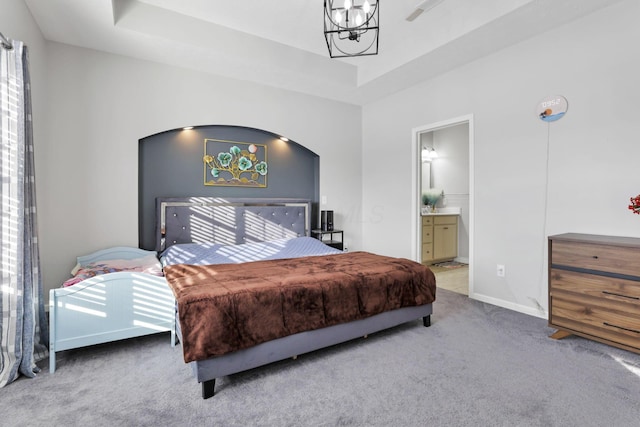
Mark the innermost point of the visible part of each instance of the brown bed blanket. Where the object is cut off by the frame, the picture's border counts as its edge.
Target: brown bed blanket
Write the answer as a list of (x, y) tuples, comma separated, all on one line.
[(228, 307)]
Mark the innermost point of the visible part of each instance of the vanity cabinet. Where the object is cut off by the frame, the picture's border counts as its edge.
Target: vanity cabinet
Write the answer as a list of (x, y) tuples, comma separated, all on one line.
[(594, 288), (439, 238)]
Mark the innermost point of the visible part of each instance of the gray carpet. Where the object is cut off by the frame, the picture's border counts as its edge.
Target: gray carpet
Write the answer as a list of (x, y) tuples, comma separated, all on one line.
[(477, 365)]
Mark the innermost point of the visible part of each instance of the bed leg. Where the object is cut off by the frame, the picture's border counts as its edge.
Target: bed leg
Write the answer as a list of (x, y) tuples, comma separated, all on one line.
[(174, 328), (426, 321), (208, 388)]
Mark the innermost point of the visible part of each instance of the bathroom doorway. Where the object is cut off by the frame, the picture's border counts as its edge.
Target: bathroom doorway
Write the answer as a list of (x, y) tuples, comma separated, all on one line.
[(443, 162)]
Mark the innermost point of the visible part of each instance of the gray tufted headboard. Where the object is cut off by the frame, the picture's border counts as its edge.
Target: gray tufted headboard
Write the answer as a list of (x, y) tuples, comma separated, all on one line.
[(230, 220)]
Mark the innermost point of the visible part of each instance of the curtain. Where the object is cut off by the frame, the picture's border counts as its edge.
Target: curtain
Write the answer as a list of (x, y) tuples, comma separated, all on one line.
[(23, 328)]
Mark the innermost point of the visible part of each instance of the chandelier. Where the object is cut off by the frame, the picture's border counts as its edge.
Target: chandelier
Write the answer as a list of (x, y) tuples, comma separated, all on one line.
[(351, 27)]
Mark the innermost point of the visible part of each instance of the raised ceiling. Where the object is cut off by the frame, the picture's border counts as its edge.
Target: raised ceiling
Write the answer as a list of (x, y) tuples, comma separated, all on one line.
[(281, 43)]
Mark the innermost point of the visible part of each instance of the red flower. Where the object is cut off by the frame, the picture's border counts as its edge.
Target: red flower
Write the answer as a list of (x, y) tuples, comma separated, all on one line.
[(635, 204)]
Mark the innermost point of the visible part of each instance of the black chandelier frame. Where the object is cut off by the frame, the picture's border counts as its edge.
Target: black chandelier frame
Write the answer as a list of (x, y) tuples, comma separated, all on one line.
[(339, 35)]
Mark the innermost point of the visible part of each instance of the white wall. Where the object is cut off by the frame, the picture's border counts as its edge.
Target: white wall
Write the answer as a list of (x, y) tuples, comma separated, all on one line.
[(101, 104), (594, 150)]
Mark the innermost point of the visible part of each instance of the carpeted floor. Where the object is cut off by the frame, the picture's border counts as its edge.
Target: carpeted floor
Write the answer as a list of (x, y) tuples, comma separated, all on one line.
[(477, 365)]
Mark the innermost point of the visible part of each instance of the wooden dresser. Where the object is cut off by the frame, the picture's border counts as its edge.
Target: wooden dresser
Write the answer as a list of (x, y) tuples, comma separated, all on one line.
[(594, 288)]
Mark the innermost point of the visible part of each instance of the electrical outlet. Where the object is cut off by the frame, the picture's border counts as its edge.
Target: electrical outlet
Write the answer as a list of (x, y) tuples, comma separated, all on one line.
[(500, 270)]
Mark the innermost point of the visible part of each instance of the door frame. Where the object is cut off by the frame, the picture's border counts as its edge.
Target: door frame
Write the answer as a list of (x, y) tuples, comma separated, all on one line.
[(416, 218)]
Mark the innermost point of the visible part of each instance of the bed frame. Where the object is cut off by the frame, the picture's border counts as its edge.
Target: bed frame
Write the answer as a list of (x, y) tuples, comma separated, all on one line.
[(109, 307), (241, 220), (206, 371)]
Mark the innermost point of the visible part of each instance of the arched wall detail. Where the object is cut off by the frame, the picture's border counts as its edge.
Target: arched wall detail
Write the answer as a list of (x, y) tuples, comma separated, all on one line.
[(170, 165)]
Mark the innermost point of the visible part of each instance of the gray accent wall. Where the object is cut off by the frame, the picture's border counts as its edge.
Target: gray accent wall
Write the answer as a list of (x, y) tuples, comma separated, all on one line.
[(170, 165)]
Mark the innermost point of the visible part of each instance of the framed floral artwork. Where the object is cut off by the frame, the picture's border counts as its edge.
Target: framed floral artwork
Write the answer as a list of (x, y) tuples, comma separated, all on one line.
[(234, 164)]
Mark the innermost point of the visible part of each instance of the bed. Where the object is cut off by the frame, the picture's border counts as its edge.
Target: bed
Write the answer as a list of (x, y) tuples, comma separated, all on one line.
[(241, 233), (126, 303)]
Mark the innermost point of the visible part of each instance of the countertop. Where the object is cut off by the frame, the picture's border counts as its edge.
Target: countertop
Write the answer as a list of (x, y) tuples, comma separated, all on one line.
[(444, 211)]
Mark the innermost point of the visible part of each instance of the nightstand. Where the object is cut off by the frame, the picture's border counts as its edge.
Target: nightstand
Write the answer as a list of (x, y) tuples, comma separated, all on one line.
[(331, 240)]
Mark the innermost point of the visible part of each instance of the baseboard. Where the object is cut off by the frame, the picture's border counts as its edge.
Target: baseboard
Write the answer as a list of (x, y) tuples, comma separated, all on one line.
[(509, 305)]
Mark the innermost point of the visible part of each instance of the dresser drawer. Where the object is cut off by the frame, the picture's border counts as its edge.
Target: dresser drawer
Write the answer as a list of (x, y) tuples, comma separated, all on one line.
[(613, 259), (595, 286), (584, 316)]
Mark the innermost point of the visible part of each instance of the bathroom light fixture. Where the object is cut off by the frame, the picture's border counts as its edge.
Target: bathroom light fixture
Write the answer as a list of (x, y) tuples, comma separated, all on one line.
[(428, 155), (351, 28), (187, 128), (283, 138)]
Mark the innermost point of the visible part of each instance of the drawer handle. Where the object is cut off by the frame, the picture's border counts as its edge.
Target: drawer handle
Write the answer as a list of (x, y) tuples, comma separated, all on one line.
[(620, 295), (595, 257), (620, 327)]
